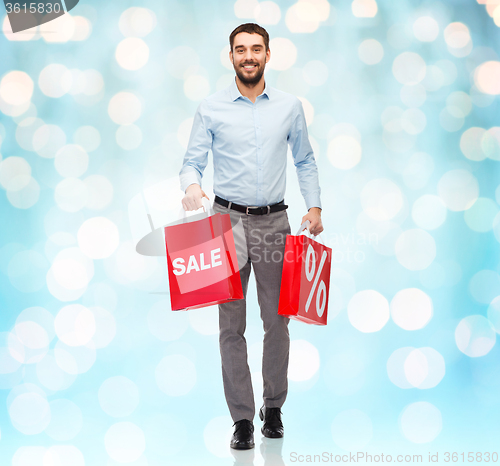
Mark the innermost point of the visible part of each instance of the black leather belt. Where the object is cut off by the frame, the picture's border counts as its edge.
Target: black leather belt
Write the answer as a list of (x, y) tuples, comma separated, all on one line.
[(249, 210)]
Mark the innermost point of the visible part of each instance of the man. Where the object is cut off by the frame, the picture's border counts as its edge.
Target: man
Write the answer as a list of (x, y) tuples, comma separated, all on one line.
[(248, 127)]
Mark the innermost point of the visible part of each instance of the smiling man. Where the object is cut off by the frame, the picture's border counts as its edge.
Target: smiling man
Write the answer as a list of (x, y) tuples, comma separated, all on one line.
[(249, 127)]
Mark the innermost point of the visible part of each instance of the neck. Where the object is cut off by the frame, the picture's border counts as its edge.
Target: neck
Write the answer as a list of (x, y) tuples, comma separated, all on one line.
[(252, 91)]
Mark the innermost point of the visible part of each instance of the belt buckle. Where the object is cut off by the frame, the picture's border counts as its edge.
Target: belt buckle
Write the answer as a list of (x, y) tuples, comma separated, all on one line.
[(251, 207), (268, 210)]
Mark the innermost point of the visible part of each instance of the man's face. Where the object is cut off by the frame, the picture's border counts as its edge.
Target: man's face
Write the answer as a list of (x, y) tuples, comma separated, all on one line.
[(249, 57)]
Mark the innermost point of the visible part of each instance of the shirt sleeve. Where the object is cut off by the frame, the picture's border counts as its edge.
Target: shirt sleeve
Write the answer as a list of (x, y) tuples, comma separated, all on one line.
[(303, 158), (200, 142)]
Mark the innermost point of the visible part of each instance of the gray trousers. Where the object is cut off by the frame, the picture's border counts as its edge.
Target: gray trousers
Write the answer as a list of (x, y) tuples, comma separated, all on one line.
[(260, 244)]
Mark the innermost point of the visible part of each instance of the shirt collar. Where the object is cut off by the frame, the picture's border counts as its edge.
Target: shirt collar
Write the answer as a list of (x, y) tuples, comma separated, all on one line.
[(235, 92)]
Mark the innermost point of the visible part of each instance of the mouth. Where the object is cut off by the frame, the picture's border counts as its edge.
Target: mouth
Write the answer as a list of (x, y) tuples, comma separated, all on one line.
[(249, 67)]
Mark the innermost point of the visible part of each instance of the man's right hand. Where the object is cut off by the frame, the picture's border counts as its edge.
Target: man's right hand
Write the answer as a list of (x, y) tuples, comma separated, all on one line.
[(193, 197)]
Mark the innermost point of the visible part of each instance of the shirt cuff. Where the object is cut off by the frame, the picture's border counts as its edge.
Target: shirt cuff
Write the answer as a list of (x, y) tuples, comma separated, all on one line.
[(313, 200), (189, 177)]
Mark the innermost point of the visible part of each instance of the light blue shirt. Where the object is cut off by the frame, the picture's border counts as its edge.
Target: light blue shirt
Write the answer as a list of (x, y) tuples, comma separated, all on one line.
[(249, 145)]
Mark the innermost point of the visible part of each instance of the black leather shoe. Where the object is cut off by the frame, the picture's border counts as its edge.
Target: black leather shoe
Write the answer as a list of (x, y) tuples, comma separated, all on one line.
[(242, 438), (273, 427)]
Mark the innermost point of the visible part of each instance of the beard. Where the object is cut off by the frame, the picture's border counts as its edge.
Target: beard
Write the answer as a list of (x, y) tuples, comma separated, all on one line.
[(249, 80)]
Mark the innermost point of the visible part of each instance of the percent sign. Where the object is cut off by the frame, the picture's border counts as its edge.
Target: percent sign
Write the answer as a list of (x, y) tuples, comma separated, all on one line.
[(310, 271)]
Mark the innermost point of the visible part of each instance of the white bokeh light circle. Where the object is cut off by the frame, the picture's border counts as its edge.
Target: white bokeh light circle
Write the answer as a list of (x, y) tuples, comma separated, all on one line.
[(31, 335), (99, 192), (352, 429), (413, 95), (124, 108), (71, 161), (368, 311), (181, 58), (125, 442), (424, 367), (72, 269), (284, 54), (48, 140), (381, 199), (458, 39), (409, 68), (59, 455), (470, 143), (415, 249), (118, 396), (61, 29), (175, 375), (413, 121), (66, 420), (28, 342), (75, 359), (217, 434), (87, 137), (304, 360), (71, 194), (83, 28), (39, 315), (14, 167), (485, 286), (267, 12), (196, 87), (28, 456), (30, 413), (344, 152), (25, 131), (55, 80), (475, 336), (129, 137), (75, 325), (370, 51), (411, 309), (426, 29), (421, 422), (395, 367), (98, 237), (364, 8), (487, 77), (137, 22), (481, 215), (428, 212), (458, 189), (25, 197), (493, 313), (132, 53), (305, 16), (16, 88), (315, 73)]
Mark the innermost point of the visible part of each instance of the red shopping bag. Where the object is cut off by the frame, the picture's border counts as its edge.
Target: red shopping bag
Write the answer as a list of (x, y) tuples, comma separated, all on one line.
[(202, 264), (305, 280)]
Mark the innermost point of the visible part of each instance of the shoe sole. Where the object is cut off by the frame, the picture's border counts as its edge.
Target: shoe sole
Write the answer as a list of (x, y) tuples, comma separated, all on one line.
[(240, 447), (270, 436)]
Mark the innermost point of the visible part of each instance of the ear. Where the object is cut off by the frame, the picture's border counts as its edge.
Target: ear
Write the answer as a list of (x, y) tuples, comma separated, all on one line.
[(268, 55), (231, 56)]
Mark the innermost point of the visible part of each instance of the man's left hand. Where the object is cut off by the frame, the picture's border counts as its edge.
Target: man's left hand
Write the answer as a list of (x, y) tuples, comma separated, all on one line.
[(314, 216)]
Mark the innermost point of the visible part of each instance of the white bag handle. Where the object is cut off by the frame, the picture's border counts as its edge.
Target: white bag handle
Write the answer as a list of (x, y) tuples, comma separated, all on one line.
[(207, 211), (304, 230)]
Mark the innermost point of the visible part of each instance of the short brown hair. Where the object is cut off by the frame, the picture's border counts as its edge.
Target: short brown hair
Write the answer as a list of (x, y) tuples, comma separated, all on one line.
[(250, 28)]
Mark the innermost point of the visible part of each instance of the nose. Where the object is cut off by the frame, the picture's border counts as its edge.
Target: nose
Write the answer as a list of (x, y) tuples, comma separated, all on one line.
[(248, 55)]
